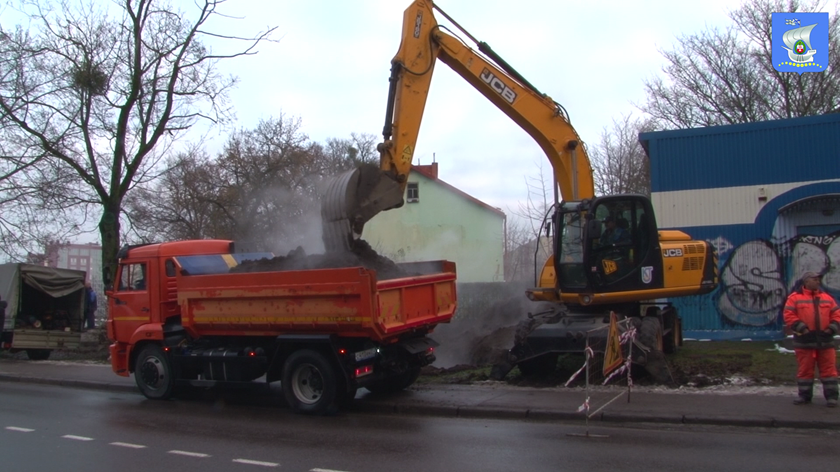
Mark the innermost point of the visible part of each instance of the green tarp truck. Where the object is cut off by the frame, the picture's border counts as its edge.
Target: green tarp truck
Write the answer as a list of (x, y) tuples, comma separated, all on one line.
[(44, 309)]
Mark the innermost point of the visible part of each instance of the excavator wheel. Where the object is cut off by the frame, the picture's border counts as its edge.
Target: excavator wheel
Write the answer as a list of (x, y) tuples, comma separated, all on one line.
[(672, 331), (539, 366), (650, 335)]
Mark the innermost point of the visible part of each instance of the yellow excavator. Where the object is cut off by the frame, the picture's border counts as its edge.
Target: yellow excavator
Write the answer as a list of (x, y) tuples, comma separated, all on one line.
[(608, 254)]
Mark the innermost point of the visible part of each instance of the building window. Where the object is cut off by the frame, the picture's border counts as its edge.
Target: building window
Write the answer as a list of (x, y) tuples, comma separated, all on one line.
[(412, 193)]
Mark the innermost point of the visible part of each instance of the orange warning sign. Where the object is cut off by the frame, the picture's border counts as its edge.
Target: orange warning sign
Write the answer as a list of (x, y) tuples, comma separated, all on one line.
[(613, 357)]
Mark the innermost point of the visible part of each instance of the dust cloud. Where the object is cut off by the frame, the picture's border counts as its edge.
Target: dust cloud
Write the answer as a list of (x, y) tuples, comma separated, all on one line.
[(484, 326)]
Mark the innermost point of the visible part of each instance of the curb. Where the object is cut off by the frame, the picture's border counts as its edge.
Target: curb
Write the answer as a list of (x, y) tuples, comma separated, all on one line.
[(501, 413)]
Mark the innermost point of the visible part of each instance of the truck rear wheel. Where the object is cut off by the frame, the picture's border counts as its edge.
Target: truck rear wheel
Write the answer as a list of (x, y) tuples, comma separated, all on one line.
[(38, 354), (153, 373), (309, 383)]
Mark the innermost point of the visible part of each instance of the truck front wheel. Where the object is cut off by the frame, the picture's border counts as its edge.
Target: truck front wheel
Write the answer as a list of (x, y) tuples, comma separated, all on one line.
[(153, 373), (309, 383)]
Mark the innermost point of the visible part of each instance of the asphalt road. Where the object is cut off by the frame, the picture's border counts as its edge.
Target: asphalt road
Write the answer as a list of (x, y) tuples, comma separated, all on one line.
[(47, 428)]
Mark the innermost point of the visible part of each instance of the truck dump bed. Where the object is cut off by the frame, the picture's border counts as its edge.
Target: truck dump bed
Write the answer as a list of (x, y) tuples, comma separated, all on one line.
[(342, 301)]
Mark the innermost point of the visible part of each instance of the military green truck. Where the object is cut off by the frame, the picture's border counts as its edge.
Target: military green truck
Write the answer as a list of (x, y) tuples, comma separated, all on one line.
[(44, 309)]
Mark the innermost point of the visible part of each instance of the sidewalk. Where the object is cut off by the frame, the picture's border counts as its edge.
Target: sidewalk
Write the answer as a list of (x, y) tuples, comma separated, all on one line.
[(498, 400)]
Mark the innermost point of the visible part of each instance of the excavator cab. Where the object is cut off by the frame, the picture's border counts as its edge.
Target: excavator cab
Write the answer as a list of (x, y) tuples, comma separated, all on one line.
[(605, 247)]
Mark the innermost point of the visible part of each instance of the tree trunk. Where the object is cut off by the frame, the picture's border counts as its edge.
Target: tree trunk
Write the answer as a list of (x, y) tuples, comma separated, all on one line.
[(109, 231)]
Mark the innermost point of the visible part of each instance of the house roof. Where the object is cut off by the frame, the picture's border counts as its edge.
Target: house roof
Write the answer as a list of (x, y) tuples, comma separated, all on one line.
[(431, 172)]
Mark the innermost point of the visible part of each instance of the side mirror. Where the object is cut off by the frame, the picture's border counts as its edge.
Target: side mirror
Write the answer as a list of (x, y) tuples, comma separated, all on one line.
[(593, 229), (547, 229)]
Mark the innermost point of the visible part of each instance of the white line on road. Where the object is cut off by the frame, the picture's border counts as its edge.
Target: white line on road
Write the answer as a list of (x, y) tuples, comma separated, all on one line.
[(133, 446), (21, 430), (77, 438), (325, 470), (249, 461), (187, 453)]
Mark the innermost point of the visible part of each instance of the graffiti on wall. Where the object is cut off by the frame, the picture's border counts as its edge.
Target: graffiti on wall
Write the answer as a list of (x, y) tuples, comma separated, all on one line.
[(758, 275)]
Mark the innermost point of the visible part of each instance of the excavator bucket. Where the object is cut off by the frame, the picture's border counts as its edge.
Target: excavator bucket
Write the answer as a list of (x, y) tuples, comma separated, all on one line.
[(351, 199)]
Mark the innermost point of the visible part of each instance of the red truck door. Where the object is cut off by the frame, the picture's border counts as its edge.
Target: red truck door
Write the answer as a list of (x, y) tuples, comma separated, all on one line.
[(130, 303)]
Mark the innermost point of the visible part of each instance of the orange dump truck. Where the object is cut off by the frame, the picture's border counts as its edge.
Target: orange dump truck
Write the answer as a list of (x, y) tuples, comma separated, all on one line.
[(180, 314)]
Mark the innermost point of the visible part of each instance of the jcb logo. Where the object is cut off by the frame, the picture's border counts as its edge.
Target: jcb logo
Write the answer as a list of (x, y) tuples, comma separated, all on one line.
[(672, 252), (496, 84)]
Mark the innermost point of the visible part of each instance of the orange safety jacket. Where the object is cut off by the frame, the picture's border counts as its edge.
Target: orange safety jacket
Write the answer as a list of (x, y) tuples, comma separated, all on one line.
[(816, 311)]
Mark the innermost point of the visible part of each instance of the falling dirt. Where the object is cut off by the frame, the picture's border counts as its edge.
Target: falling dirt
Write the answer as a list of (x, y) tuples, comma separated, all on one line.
[(361, 255)]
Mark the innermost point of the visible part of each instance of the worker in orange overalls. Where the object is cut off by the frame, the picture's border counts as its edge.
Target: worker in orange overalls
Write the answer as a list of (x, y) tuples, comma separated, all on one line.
[(814, 318)]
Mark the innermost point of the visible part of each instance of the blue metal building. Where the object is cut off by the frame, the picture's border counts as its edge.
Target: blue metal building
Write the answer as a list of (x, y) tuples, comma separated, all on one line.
[(767, 196)]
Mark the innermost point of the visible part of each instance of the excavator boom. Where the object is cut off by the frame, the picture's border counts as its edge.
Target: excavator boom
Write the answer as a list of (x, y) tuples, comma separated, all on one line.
[(586, 267)]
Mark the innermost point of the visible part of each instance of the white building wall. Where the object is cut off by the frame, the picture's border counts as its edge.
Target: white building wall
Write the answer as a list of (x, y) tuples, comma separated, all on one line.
[(717, 207)]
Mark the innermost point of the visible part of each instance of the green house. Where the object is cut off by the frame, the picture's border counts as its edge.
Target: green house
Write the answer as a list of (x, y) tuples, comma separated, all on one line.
[(438, 221)]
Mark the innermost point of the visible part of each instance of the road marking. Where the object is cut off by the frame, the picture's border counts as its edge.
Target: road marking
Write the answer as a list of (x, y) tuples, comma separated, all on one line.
[(21, 430), (325, 470), (77, 438), (249, 461), (133, 446), (187, 453)]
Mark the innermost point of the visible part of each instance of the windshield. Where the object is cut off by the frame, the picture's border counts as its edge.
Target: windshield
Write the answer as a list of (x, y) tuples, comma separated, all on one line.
[(571, 244), (570, 251)]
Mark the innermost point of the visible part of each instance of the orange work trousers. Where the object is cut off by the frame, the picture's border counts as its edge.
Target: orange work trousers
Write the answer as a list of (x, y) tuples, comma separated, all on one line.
[(825, 359)]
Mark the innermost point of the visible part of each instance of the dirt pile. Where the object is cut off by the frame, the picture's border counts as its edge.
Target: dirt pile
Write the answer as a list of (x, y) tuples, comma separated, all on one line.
[(360, 255)]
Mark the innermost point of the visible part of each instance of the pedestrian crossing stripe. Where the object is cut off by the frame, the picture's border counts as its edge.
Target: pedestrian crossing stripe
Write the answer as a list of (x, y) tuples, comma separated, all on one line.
[(613, 357)]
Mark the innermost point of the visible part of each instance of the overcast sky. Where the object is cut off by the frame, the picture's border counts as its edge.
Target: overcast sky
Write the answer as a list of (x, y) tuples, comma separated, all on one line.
[(331, 66), (331, 63)]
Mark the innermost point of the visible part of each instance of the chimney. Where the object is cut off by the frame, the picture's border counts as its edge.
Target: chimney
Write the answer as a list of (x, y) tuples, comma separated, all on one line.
[(430, 170)]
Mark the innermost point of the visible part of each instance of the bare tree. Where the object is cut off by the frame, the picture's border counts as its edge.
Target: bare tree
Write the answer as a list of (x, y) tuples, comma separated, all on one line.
[(723, 77), (525, 241), (619, 164), (535, 209), (345, 154), (262, 190), (178, 205), (93, 99), (263, 180)]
